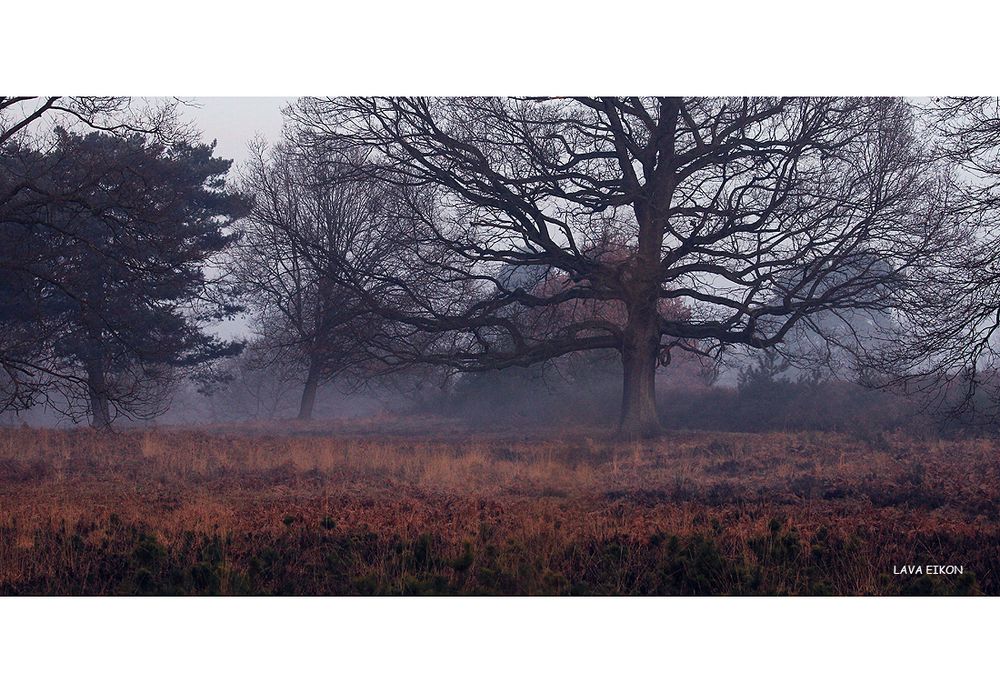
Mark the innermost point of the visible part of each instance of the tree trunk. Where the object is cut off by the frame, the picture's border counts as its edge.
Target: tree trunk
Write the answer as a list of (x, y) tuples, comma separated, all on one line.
[(309, 393), (100, 413), (640, 348)]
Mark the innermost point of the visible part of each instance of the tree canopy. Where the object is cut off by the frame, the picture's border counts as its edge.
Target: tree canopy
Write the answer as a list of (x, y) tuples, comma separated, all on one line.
[(759, 213), (105, 290)]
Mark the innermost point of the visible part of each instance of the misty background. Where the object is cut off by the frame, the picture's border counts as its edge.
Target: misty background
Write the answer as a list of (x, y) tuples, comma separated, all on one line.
[(741, 391)]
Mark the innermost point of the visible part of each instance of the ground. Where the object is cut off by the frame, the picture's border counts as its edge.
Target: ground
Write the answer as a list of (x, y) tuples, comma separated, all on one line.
[(383, 507)]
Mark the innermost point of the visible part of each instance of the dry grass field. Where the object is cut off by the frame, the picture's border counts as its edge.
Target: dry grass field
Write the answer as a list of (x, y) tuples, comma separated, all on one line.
[(390, 509)]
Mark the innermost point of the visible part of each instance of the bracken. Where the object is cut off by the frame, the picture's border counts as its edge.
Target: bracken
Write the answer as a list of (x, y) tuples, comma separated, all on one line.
[(261, 511)]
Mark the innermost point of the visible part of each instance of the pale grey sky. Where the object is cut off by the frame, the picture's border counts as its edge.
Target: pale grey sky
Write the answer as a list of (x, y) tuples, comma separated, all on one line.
[(232, 122), (235, 120)]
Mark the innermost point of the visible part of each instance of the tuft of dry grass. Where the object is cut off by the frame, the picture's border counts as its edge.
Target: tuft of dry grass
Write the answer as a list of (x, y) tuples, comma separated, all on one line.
[(392, 510)]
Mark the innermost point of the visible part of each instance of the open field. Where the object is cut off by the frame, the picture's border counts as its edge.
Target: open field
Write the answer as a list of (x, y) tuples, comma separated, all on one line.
[(349, 511)]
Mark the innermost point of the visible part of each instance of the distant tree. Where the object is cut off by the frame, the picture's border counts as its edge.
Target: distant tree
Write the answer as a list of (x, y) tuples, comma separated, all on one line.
[(752, 211), (767, 367), (251, 385), (310, 225), (110, 249)]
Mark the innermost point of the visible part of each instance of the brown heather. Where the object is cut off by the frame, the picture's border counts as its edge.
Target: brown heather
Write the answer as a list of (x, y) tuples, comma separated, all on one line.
[(434, 510)]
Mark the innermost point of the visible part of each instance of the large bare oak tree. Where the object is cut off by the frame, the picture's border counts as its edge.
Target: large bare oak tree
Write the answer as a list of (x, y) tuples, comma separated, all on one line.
[(758, 213)]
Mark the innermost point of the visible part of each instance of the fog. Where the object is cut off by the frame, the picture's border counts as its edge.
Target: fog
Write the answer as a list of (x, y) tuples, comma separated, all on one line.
[(465, 312)]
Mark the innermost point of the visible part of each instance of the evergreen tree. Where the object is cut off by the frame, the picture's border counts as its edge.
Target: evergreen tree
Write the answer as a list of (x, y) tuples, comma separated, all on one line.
[(118, 247)]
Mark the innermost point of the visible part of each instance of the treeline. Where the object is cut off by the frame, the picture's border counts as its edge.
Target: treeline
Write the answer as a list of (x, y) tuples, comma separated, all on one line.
[(753, 394), (589, 249)]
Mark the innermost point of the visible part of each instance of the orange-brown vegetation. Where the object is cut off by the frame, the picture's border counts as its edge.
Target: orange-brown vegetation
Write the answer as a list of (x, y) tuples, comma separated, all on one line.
[(349, 511)]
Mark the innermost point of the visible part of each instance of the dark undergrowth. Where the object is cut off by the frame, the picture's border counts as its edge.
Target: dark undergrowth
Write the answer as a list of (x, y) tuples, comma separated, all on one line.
[(316, 558), (192, 512)]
